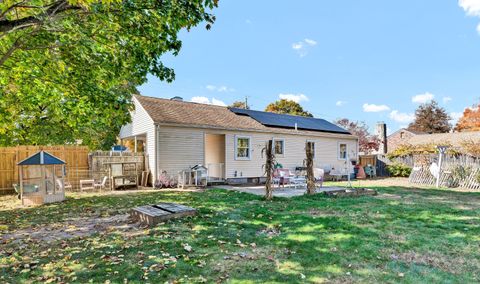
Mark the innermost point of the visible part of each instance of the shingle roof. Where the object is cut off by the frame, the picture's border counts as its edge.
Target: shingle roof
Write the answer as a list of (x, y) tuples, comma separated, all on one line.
[(407, 130), (455, 139), (167, 111)]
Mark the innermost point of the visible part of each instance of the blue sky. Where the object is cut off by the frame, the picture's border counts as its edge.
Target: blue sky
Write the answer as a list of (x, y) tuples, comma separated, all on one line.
[(364, 60)]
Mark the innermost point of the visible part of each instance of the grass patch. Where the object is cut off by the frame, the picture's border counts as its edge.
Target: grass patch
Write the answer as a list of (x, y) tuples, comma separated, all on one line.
[(404, 234)]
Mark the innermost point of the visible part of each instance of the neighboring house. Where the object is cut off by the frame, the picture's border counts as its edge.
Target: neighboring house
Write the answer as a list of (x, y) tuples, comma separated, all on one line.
[(455, 139), (400, 137), (178, 135)]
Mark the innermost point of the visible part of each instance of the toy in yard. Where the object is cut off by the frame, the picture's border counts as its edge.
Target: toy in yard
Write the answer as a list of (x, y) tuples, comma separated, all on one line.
[(165, 181), (42, 179)]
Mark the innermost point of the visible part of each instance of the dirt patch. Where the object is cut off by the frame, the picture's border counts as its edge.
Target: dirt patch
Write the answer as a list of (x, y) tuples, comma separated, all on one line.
[(269, 232), (73, 228), (446, 263), (389, 196), (319, 213)]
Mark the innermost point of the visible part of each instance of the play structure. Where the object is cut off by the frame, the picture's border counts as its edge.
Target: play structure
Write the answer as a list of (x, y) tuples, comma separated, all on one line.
[(42, 179), (122, 174)]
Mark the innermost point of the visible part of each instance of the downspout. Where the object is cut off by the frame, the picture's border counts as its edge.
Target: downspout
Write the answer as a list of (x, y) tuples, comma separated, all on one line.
[(156, 153)]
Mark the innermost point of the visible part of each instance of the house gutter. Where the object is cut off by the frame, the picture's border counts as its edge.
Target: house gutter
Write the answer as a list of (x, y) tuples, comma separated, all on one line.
[(156, 127)]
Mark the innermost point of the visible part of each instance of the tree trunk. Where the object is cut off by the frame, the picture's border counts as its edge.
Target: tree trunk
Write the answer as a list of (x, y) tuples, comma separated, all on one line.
[(269, 170), (309, 164)]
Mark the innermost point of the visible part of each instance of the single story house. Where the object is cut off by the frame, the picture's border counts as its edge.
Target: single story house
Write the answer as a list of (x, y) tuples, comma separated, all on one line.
[(400, 137), (228, 141), (405, 137)]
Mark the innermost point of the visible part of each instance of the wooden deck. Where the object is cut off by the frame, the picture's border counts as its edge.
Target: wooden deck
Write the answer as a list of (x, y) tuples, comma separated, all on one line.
[(151, 215)]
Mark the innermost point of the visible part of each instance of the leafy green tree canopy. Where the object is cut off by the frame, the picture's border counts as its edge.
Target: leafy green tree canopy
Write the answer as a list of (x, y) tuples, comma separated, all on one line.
[(431, 118), (287, 107), (68, 69)]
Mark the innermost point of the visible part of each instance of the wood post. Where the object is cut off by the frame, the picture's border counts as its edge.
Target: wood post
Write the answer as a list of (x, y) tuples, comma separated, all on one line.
[(269, 164), (309, 164)]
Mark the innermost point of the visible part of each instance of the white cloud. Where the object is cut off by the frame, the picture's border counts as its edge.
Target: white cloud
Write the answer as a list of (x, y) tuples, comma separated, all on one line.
[(446, 100), (340, 103), (402, 117), (310, 42), (248, 21), (223, 89), (201, 100), (423, 98), (375, 108), (303, 46), (206, 101), (294, 97), (218, 102), (472, 7), (456, 116)]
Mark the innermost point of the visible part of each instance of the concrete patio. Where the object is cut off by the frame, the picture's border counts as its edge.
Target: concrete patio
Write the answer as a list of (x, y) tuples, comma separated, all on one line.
[(277, 192)]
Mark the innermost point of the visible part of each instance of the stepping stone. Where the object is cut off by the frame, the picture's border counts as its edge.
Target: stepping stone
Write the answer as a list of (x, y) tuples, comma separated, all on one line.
[(153, 214)]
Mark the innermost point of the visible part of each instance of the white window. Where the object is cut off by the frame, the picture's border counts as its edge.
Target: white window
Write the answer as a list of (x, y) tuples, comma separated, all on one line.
[(243, 148), (342, 151), (279, 146), (313, 146)]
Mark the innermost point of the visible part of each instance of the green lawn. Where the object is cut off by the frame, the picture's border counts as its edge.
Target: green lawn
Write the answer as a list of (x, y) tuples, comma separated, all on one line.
[(403, 235)]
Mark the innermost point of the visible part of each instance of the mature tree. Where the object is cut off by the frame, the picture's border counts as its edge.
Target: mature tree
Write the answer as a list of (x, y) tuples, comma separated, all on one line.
[(240, 104), (431, 118), (366, 142), (68, 69), (287, 107), (470, 121)]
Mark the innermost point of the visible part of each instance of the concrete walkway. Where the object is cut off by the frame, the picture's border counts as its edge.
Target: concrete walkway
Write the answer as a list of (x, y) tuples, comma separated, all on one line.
[(277, 192)]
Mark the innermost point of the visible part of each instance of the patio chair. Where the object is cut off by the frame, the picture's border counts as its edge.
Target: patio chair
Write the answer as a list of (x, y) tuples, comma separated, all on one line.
[(319, 175), (370, 171), (282, 177), (66, 185), (101, 185)]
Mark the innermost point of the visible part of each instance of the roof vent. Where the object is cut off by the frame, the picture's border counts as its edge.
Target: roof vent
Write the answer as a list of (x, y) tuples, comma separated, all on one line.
[(176, 98)]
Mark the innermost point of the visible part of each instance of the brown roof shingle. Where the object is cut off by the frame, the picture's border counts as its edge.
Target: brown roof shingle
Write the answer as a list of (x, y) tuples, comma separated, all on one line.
[(455, 139), (209, 116)]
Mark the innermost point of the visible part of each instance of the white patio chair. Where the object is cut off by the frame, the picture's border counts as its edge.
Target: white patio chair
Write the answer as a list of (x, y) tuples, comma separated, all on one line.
[(319, 175), (101, 185)]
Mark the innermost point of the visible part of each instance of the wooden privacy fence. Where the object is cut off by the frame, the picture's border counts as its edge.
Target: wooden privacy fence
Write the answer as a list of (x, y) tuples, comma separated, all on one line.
[(76, 158), (81, 164), (457, 170), (380, 162)]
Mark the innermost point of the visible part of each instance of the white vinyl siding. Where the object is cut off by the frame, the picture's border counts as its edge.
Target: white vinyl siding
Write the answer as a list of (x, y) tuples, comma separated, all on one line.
[(142, 124), (325, 153), (180, 148)]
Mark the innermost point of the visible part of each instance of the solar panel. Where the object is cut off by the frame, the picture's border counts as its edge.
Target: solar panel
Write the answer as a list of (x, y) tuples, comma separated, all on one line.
[(289, 121)]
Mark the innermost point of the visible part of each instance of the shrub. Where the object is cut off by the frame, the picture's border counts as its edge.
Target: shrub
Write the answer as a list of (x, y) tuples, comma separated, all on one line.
[(399, 170)]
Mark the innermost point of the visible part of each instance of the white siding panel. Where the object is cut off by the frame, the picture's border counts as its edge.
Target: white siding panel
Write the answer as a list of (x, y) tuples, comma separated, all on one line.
[(180, 148), (326, 153), (142, 124)]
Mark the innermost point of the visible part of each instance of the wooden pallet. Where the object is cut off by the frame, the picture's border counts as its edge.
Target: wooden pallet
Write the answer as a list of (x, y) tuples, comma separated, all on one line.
[(153, 214), (351, 192)]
